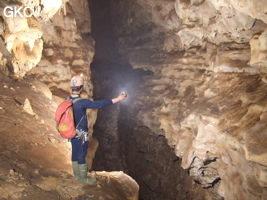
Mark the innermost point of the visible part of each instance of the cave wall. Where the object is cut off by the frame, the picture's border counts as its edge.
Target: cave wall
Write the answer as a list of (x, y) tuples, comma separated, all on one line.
[(56, 39), (68, 48), (21, 43), (207, 94)]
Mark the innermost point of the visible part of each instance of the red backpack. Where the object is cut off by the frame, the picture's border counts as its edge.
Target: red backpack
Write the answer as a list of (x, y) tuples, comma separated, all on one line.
[(65, 119)]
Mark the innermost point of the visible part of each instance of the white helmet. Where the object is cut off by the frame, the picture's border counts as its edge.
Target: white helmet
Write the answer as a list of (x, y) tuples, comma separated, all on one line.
[(76, 81)]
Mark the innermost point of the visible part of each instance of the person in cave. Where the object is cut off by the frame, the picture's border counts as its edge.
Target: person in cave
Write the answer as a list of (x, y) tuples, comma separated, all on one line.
[(80, 142)]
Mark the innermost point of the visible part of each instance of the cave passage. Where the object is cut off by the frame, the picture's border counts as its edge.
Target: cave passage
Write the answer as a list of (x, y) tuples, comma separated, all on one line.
[(125, 143), (193, 125)]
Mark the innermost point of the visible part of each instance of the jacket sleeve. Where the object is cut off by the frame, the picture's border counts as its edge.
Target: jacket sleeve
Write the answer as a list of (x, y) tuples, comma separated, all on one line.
[(96, 104)]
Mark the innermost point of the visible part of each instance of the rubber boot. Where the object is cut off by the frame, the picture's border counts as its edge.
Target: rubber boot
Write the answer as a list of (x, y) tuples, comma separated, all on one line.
[(83, 175), (75, 168)]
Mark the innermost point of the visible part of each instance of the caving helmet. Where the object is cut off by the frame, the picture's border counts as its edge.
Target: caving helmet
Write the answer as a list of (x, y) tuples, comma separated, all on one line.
[(76, 82)]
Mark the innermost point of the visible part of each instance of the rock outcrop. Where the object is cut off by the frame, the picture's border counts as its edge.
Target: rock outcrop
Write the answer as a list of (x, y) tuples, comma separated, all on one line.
[(68, 48), (22, 33), (56, 37)]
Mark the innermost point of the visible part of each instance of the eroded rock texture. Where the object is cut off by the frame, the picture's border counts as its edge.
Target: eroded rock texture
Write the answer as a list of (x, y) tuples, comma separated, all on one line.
[(21, 43), (56, 37), (68, 48), (206, 90)]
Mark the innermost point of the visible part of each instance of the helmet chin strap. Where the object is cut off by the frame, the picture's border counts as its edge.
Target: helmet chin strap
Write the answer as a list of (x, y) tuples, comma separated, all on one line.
[(75, 94), (78, 93)]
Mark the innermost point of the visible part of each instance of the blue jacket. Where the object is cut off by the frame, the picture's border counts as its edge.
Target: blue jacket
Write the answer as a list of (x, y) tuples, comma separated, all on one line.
[(80, 107)]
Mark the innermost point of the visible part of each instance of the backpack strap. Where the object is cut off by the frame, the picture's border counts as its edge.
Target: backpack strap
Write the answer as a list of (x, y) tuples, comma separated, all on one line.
[(80, 121), (74, 101)]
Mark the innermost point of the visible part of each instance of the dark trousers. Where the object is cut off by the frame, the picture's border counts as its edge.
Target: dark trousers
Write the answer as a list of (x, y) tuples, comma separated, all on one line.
[(79, 150)]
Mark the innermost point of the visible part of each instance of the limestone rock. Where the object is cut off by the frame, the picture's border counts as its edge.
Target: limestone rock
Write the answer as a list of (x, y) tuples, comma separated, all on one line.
[(130, 187), (27, 107), (66, 52), (25, 42), (192, 26), (23, 35), (258, 49)]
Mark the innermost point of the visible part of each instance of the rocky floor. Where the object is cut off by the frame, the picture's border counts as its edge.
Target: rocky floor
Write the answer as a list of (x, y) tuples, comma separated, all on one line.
[(35, 161)]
